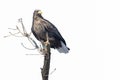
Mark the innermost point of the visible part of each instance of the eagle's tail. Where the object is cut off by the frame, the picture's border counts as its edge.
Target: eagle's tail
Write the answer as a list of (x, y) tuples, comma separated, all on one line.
[(63, 49)]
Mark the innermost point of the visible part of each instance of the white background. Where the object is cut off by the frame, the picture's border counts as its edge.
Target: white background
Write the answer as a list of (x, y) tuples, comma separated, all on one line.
[(91, 29)]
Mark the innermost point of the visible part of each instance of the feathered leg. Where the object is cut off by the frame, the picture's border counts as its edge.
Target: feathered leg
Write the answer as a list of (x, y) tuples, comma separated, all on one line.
[(47, 41), (46, 45)]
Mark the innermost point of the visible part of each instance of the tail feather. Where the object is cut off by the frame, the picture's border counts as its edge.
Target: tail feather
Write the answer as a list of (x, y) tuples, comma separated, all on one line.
[(63, 49)]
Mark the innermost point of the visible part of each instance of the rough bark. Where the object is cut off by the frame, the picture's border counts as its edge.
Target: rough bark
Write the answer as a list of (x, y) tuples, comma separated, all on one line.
[(46, 66)]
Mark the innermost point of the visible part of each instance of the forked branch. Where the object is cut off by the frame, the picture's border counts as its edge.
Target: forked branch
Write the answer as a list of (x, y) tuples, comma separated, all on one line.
[(23, 33)]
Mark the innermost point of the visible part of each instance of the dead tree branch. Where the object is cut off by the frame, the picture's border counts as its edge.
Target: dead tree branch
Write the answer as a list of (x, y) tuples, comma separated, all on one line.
[(23, 33), (46, 51)]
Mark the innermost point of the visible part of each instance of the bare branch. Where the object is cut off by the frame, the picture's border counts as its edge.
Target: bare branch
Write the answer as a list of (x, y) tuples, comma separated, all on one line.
[(19, 30), (27, 48), (14, 34), (6, 36), (12, 29), (53, 71), (24, 30), (23, 34), (33, 42)]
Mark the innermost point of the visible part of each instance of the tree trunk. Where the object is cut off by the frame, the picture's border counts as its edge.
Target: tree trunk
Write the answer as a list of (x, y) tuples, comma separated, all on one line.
[(46, 66)]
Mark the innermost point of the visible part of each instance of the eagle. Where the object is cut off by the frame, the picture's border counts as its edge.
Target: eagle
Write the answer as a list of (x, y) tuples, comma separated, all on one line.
[(42, 27)]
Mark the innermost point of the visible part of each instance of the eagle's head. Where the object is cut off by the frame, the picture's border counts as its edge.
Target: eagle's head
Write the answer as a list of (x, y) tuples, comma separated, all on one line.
[(38, 13)]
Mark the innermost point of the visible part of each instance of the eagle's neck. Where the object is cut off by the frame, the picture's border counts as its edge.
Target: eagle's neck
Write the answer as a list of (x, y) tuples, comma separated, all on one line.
[(40, 16)]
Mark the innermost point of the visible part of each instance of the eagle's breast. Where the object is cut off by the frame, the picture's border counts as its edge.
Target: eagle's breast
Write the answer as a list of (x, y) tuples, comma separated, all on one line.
[(39, 29)]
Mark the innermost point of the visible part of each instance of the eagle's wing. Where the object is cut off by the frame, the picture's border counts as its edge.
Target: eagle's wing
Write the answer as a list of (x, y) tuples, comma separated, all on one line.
[(52, 30)]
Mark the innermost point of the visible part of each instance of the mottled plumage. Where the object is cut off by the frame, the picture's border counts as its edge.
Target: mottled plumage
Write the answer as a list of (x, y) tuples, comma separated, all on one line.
[(42, 26)]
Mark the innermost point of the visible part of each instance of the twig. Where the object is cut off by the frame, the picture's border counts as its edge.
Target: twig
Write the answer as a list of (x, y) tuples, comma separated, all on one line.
[(20, 30), (26, 47), (33, 42), (53, 71), (14, 34), (12, 29)]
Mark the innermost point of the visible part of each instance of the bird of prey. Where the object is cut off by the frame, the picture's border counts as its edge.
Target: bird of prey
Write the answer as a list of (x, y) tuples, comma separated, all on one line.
[(42, 27)]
